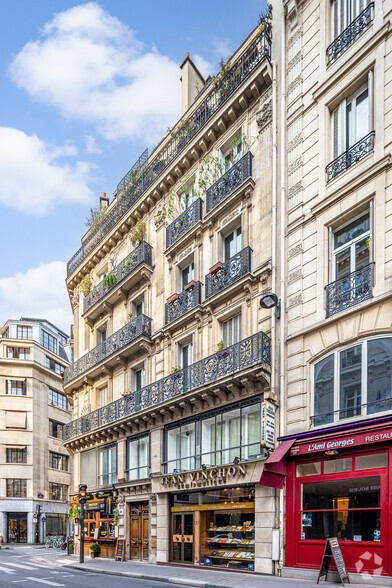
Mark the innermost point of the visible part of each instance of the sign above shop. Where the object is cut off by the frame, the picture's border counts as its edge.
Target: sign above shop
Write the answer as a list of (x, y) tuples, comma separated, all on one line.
[(268, 425), (201, 478), (342, 443)]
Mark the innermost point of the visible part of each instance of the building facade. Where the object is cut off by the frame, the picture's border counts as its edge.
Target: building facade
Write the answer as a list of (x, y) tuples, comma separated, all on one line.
[(35, 470), (335, 95), (172, 352)]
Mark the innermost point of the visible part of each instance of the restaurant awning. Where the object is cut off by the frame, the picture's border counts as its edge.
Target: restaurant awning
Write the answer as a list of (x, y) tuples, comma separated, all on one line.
[(275, 467)]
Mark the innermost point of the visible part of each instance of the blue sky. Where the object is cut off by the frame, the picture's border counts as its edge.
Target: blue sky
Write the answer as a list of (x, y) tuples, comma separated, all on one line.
[(85, 88)]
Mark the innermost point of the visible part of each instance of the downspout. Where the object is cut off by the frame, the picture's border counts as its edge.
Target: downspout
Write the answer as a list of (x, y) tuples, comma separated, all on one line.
[(282, 403), (274, 230)]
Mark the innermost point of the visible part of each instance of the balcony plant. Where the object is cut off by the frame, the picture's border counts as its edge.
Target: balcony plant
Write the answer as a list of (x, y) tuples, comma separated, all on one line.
[(95, 218), (109, 281), (176, 371), (95, 550), (127, 394), (86, 285), (221, 349), (137, 233)]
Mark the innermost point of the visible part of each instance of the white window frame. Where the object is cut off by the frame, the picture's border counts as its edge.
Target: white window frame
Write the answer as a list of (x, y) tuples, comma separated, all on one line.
[(351, 10), (226, 149), (235, 328), (189, 266), (180, 349), (133, 374), (187, 198), (237, 240)]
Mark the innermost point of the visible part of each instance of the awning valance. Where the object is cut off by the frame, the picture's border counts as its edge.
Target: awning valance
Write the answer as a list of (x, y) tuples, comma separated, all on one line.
[(275, 467)]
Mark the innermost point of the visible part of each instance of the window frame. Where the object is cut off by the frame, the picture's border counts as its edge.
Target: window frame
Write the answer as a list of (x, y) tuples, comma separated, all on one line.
[(49, 341), (133, 439), (18, 352), (57, 423), (61, 458), (20, 390), (13, 483), (22, 328), (112, 474), (55, 489), (21, 452), (55, 393), (234, 329)]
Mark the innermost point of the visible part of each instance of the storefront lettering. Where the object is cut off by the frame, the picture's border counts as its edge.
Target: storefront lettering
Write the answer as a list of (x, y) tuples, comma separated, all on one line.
[(330, 445), (201, 478), (358, 439)]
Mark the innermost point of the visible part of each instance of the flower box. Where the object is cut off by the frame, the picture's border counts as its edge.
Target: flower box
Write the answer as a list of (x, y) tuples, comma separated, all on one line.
[(190, 285), (172, 298), (215, 268)]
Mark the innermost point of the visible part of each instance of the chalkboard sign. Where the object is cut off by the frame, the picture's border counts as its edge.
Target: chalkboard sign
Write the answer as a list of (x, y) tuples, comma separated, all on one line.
[(120, 550), (332, 550)]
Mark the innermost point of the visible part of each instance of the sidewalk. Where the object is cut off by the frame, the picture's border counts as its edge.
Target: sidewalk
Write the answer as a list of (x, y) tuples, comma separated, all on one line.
[(206, 578)]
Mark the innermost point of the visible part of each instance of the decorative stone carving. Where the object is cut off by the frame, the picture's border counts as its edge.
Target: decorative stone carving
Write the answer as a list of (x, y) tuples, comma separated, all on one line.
[(295, 189), (295, 300), (159, 217), (296, 275), (264, 116), (296, 250)]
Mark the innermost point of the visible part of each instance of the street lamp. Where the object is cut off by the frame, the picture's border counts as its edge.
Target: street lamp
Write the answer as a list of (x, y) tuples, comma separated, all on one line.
[(270, 300)]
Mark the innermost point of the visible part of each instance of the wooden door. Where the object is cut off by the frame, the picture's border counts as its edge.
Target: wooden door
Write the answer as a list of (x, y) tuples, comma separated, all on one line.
[(139, 530), (145, 531), (182, 537)]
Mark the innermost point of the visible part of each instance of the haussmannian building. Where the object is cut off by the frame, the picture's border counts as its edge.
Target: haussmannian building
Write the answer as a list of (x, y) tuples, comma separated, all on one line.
[(35, 468), (172, 351)]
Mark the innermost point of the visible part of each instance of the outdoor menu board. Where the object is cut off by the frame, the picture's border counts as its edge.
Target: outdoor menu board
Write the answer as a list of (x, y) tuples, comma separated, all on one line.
[(332, 550), (120, 550)]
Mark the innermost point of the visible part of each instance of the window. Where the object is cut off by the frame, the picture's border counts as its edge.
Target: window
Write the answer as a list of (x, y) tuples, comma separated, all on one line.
[(16, 488), (18, 352), (55, 429), (56, 524), (101, 334), (23, 332), (231, 151), (107, 465), (17, 387), (185, 354), (351, 247), (103, 396), (231, 330), (343, 13), (187, 275), (353, 382), (138, 457), (58, 491), (137, 379), (49, 341), (51, 364), (58, 461), (187, 198), (88, 468), (16, 455), (58, 399), (138, 308), (216, 438), (232, 243)]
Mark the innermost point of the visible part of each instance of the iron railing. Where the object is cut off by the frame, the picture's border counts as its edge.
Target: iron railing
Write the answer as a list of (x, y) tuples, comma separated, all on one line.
[(142, 253), (350, 290), (351, 156), (244, 354), (229, 181), (185, 301), (141, 325), (232, 270), (350, 34), (374, 407), (223, 88), (184, 222)]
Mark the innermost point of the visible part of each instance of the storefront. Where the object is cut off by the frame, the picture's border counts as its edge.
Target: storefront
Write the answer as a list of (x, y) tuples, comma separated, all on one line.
[(17, 527), (339, 484), (99, 523)]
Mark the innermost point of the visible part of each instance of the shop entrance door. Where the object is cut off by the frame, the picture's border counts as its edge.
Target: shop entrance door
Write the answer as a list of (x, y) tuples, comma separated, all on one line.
[(182, 537), (17, 527), (139, 531)]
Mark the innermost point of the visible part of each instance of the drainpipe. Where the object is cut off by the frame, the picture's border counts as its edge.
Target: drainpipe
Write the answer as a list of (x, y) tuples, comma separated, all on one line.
[(282, 403), (274, 229)]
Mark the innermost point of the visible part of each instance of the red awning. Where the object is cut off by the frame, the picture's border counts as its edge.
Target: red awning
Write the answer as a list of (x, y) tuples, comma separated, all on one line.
[(275, 468)]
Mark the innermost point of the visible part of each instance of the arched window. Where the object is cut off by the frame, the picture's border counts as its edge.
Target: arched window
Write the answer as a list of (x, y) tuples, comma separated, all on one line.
[(352, 382)]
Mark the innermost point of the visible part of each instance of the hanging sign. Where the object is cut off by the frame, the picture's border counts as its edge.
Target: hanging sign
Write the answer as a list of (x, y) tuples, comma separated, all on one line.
[(268, 425), (332, 551)]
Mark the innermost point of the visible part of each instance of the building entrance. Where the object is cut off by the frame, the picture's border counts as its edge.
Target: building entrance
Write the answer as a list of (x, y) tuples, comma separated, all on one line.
[(182, 537), (17, 527), (139, 529)]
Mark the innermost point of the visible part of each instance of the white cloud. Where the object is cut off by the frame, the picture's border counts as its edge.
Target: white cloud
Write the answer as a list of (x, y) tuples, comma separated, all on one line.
[(205, 67), (32, 179), (39, 293), (91, 67), (222, 48), (91, 145)]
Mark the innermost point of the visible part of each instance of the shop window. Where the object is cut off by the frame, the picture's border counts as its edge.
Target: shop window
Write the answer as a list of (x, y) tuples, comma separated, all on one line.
[(372, 461), (138, 457), (56, 525), (107, 465), (338, 465), (308, 469), (88, 468), (216, 438), (347, 509), (353, 382)]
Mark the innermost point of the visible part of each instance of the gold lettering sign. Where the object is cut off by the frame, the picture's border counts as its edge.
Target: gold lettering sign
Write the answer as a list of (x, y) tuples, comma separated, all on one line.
[(202, 478)]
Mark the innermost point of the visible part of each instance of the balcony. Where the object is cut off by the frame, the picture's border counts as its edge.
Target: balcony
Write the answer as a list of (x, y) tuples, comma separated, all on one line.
[(251, 353), (144, 174), (181, 225), (230, 181), (350, 290), (351, 156), (230, 271), (360, 410), (142, 253), (184, 302), (120, 340), (350, 34)]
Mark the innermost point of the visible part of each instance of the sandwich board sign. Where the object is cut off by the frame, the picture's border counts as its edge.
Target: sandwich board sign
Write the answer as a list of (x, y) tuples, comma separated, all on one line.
[(332, 551)]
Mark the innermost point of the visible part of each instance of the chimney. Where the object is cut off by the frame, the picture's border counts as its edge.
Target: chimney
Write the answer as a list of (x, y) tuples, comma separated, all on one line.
[(192, 82), (104, 202)]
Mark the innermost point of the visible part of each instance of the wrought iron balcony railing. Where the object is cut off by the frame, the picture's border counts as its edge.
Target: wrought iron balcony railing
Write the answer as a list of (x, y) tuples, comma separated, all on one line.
[(350, 34), (143, 252), (351, 156), (141, 325), (232, 270), (143, 176), (244, 354), (184, 222), (354, 411), (231, 179), (185, 301), (350, 290)]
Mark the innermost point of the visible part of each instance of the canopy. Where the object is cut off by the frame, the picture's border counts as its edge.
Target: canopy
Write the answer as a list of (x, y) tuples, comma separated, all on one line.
[(275, 467)]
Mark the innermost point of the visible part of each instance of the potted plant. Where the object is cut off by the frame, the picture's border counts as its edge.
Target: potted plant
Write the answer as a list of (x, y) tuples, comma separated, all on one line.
[(215, 268), (190, 285), (116, 516), (71, 547), (172, 298), (175, 369), (127, 394), (95, 550), (221, 349)]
